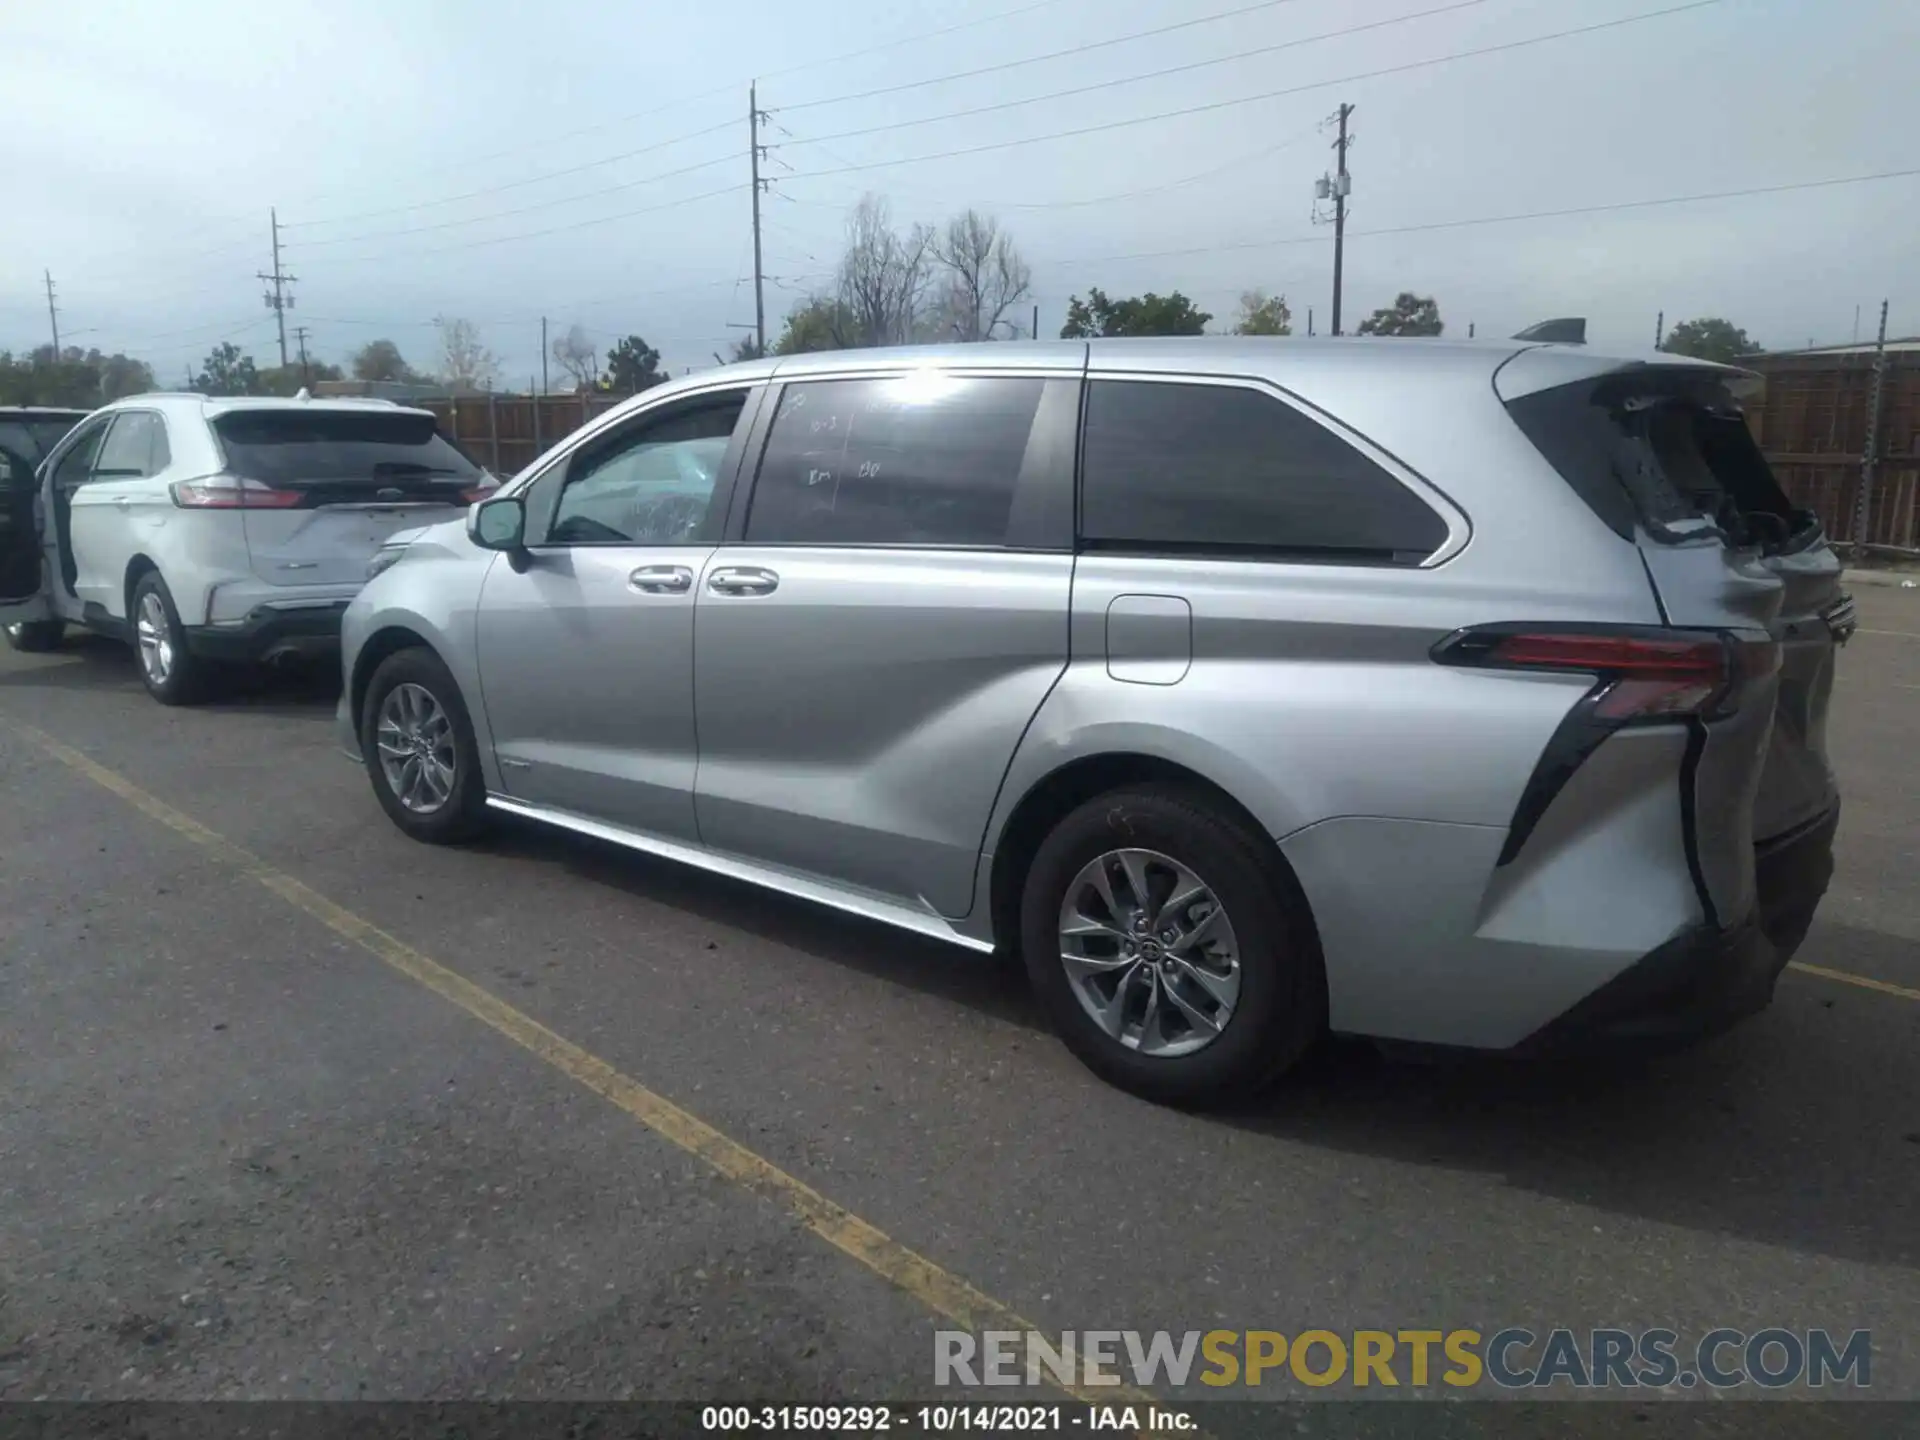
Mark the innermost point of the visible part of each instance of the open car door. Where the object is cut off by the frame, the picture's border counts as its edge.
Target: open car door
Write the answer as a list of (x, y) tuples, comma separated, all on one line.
[(24, 594)]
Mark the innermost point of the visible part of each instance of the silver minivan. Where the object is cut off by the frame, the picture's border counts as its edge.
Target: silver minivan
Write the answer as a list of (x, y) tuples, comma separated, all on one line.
[(1463, 694)]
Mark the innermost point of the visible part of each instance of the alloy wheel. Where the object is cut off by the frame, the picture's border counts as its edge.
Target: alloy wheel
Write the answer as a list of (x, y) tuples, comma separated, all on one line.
[(414, 738), (155, 637), (1149, 952)]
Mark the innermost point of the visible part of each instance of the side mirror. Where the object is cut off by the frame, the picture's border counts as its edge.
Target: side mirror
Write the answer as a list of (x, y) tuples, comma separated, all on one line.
[(499, 524)]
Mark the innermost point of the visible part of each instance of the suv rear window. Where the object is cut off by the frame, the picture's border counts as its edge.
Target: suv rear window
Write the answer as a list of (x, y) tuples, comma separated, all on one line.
[(1664, 451), (290, 448), (1171, 467)]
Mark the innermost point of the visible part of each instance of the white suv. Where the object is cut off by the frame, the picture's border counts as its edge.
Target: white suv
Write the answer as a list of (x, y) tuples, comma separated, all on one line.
[(208, 530)]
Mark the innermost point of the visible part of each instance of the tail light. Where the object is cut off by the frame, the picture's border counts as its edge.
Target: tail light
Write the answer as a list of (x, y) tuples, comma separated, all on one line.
[(1643, 674), (231, 492)]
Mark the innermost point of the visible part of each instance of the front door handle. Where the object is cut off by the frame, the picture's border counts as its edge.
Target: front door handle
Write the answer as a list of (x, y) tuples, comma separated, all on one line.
[(742, 580), (661, 579), (125, 502)]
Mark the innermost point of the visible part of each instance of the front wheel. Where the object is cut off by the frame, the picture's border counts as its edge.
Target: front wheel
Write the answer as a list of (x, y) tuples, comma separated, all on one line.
[(1174, 954), (417, 740)]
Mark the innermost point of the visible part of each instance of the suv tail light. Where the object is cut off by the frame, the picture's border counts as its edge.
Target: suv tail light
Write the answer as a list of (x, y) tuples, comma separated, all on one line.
[(231, 492), (1642, 674)]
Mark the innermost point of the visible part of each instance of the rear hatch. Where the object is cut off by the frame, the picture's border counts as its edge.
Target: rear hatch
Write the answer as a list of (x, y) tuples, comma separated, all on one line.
[(324, 488), (1663, 453)]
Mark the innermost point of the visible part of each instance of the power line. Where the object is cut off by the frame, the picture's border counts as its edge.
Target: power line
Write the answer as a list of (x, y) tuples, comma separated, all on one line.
[(1173, 70), (1213, 105), (1039, 59), (1618, 205), (540, 179), (537, 234), (521, 209), (680, 104), (1239, 163)]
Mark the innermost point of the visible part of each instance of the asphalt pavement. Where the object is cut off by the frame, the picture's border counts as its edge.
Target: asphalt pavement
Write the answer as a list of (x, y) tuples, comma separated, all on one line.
[(297, 1108)]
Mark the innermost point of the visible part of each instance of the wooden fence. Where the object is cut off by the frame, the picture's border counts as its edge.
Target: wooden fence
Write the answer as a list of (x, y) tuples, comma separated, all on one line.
[(1812, 423), (506, 433)]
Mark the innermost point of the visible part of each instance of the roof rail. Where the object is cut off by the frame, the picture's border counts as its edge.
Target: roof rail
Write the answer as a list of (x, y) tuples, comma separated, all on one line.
[(1571, 331)]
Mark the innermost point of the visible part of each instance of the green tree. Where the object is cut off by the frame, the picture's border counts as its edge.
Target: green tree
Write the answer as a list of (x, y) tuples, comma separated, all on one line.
[(1149, 314), (1410, 314), (632, 366), (292, 379), (1709, 338), (80, 379), (380, 360), (817, 324), (1263, 314), (227, 372)]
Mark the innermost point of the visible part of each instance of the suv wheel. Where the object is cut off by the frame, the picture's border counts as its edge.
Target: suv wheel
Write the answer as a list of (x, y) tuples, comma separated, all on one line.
[(1173, 959), (36, 636), (173, 675), (418, 743)]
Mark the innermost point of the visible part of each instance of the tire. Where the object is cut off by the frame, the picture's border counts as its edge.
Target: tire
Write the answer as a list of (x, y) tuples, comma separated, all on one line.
[(1278, 1007), (445, 731), (172, 674), (36, 637)]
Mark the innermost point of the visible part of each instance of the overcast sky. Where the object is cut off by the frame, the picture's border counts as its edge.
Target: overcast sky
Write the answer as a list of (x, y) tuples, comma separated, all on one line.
[(413, 152)]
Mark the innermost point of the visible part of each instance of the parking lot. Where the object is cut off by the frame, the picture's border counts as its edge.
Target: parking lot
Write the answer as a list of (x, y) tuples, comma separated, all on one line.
[(298, 1108)]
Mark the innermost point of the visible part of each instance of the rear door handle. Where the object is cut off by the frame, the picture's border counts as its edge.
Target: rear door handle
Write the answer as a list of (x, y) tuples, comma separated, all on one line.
[(661, 579), (742, 580)]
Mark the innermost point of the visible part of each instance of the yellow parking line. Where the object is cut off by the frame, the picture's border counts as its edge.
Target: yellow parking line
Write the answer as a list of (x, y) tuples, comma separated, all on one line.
[(941, 1291), (1847, 977)]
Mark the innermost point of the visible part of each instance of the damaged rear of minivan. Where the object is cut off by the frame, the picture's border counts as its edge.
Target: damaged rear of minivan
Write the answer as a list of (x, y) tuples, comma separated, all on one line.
[(1753, 612)]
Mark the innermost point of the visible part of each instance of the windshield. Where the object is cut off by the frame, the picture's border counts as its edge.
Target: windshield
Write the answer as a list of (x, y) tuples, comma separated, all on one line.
[(291, 447)]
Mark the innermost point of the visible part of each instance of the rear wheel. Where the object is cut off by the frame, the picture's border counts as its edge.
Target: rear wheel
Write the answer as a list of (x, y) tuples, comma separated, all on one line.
[(36, 636), (1174, 957), (173, 675), (417, 739)]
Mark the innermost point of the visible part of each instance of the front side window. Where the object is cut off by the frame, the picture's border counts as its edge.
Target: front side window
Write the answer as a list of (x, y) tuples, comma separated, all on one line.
[(74, 465), (1184, 467), (923, 459), (652, 483), (135, 447)]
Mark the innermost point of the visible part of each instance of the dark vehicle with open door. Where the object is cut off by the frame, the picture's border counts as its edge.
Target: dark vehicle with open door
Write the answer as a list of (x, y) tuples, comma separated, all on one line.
[(27, 434)]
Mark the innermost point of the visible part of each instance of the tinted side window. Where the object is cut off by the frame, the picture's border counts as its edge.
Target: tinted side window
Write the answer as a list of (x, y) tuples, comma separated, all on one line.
[(926, 459), (1179, 466), (132, 447), (649, 484)]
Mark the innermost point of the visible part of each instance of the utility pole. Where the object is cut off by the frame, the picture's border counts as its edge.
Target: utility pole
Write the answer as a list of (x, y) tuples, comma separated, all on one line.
[(1659, 328), (543, 354), (1335, 187), (277, 299), (753, 150), (306, 375), (1871, 452), (53, 317), (1469, 329), (1309, 322), (1036, 320)]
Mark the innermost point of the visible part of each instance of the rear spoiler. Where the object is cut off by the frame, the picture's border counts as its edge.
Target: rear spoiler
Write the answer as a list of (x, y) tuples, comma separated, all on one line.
[(1571, 331)]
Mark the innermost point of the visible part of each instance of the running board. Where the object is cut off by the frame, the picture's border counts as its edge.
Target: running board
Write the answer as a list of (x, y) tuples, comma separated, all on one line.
[(819, 892)]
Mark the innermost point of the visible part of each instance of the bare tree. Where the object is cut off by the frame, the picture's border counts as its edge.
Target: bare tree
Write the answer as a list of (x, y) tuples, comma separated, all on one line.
[(985, 276), (575, 354), (884, 276), (465, 362)]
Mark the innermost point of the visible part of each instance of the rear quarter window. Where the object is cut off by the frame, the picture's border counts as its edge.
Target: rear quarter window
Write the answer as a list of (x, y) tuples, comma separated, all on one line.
[(1210, 467)]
